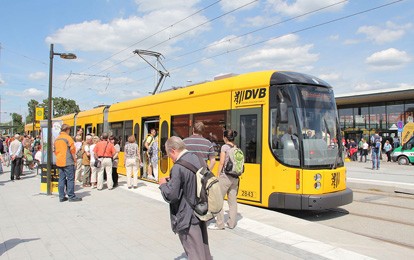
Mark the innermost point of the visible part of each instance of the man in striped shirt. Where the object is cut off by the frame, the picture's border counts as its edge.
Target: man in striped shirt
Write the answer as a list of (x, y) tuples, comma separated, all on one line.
[(199, 145)]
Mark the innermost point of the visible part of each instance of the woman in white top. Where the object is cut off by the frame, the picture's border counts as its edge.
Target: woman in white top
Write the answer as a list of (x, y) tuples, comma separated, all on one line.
[(132, 161), (94, 171)]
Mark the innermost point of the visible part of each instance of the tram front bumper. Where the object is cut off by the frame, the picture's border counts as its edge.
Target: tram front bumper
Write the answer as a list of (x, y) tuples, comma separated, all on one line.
[(310, 202)]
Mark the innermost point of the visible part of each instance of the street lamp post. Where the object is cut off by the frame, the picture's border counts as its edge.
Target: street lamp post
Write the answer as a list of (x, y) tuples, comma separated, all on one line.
[(49, 116)]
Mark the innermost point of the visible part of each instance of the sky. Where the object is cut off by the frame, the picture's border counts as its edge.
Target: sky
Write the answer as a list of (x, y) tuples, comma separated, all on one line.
[(353, 45)]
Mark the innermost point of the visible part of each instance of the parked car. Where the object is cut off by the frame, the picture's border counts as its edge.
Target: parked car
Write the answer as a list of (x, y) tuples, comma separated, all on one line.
[(404, 155)]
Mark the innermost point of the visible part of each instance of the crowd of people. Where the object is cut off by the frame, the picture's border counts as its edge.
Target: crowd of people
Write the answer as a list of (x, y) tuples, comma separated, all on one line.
[(376, 146), (94, 160), (19, 151), (87, 160)]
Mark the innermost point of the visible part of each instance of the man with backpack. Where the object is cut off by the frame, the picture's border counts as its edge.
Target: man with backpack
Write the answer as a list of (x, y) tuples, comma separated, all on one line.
[(180, 192)]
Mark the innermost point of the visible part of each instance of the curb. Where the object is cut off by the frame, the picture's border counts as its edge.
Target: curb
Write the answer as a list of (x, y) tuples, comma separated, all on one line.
[(385, 186)]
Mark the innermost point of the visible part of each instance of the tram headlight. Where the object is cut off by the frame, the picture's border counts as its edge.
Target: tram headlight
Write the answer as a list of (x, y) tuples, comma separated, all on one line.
[(317, 177), (317, 185)]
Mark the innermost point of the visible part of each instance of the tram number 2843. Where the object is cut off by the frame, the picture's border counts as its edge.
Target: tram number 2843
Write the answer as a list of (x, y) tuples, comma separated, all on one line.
[(249, 194)]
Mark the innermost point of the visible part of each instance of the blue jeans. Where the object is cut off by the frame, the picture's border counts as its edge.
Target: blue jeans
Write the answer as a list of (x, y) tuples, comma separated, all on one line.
[(375, 160), (67, 177)]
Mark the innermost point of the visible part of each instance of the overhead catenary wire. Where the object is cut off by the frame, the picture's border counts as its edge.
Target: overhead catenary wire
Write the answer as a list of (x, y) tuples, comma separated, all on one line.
[(293, 32), (280, 36), (272, 38), (182, 33), (156, 33)]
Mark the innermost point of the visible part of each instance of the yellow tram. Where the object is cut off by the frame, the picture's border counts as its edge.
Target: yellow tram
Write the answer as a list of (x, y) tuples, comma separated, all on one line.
[(287, 124)]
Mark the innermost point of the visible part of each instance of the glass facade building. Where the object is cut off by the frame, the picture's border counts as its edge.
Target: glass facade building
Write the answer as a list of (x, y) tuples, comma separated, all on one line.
[(362, 115)]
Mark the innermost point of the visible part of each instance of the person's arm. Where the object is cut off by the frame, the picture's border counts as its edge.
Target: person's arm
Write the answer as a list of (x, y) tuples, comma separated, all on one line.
[(86, 149), (212, 163), (19, 149), (113, 152), (73, 151), (95, 151), (221, 164), (148, 142), (11, 152), (171, 188), (138, 156)]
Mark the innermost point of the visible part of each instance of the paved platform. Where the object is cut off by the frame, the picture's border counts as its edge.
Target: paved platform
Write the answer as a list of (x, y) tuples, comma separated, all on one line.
[(134, 224), (391, 177)]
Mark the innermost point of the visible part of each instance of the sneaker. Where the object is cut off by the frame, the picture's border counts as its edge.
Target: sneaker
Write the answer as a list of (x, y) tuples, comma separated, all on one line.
[(129, 187), (64, 199), (214, 227), (135, 187), (75, 199)]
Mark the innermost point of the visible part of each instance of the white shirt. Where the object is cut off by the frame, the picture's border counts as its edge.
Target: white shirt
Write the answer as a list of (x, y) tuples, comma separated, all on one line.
[(90, 149)]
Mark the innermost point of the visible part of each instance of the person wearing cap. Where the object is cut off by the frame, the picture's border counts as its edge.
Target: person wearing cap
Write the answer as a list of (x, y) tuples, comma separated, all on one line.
[(16, 155), (65, 152)]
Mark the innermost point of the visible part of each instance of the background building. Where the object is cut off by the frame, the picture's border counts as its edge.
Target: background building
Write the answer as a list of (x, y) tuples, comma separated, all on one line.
[(386, 112)]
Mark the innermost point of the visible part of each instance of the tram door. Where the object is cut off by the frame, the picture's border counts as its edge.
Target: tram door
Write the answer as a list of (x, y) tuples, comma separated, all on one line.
[(248, 124), (149, 168)]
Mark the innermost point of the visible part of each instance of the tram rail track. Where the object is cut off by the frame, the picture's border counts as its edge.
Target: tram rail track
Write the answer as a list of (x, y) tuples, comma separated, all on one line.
[(374, 214)]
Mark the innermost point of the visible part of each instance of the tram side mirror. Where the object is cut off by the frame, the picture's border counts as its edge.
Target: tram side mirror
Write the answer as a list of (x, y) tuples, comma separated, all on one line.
[(283, 109)]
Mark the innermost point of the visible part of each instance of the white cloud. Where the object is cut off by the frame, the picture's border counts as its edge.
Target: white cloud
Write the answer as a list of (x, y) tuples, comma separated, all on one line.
[(1, 80), (121, 33), (37, 75), (282, 53), (149, 6), (392, 32), (374, 85), (27, 94), (334, 37), (330, 76), (229, 5), (390, 59), (298, 7), (351, 41), (225, 44)]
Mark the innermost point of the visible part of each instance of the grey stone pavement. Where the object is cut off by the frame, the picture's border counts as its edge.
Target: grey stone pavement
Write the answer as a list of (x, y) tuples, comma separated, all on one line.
[(134, 224)]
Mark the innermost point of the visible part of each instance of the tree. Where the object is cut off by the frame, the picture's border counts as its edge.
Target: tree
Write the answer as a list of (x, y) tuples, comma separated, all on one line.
[(32, 104), (61, 106), (17, 123)]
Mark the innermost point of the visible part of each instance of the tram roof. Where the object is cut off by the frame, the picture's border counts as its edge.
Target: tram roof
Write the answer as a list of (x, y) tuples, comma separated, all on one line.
[(261, 78), (376, 96), (90, 112), (65, 117)]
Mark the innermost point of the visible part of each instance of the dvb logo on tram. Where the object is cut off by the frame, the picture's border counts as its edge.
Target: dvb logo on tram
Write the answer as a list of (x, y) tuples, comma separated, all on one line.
[(249, 96)]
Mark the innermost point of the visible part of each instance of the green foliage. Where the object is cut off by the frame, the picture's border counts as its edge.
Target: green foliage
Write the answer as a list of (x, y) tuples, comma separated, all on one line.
[(17, 123), (32, 104), (61, 106)]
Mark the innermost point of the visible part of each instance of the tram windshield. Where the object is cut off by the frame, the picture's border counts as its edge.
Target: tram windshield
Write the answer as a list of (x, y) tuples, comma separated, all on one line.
[(304, 129)]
